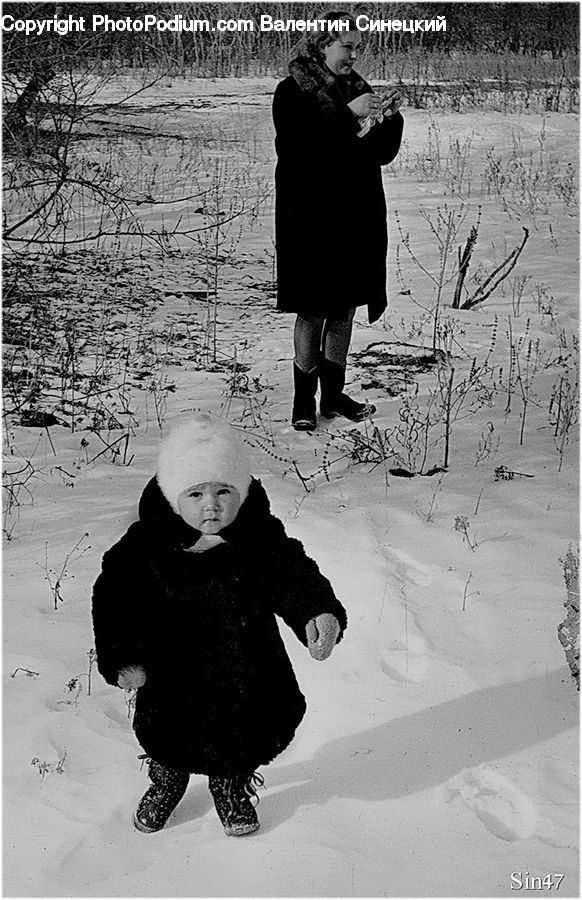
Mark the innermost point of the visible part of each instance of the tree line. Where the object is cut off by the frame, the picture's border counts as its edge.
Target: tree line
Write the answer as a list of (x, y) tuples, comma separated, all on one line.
[(526, 28)]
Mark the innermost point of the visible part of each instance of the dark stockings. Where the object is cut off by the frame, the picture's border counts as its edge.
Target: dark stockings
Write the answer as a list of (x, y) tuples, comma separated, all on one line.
[(321, 350), (315, 336)]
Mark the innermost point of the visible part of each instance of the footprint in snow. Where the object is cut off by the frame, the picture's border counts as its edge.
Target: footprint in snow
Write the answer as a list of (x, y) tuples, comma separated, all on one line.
[(406, 660), (409, 569), (505, 810)]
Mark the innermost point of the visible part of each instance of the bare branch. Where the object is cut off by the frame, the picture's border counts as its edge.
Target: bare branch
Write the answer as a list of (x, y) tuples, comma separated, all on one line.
[(510, 261)]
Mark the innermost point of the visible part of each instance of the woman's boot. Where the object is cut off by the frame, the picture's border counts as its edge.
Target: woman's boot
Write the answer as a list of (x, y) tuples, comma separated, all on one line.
[(232, 795), (161, 799), (305, 386), (333, 402)]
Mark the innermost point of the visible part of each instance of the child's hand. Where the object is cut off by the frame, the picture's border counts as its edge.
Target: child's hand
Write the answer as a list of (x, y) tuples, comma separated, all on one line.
[(321, 634), (131, 678)]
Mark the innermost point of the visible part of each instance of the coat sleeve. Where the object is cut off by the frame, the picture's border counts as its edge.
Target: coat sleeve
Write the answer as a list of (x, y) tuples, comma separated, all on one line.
[(309, 136), (322, 142), (118, 607), (299, 590)]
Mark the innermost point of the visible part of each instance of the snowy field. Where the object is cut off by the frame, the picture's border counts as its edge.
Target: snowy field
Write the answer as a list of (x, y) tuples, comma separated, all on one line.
[(439, 755)]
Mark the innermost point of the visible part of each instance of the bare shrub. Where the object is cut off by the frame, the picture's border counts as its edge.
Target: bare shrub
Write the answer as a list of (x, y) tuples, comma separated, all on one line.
[(569, 629)]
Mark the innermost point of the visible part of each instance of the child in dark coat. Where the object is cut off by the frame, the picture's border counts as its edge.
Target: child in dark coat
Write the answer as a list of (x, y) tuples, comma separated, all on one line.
[(184, 611)]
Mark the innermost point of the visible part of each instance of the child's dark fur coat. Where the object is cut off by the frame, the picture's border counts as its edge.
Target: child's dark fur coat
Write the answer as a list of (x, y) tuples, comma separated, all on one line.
[(220, 696)]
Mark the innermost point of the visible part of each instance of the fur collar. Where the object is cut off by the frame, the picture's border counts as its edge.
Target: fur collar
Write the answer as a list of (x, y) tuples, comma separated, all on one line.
[(332, 93)]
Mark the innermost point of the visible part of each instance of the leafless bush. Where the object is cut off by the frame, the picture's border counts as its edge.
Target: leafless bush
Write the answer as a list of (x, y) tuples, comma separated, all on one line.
[(569, 629), (564, 411), (56, 577), (463, 525), (45, 768), (527, 181)]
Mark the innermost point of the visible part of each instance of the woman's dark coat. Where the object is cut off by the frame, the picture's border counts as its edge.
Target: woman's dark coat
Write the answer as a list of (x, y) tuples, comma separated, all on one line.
[(220, 694), (330, 213)]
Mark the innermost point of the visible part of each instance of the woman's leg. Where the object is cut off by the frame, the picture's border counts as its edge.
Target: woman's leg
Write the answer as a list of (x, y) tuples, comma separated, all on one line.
[(336, 339), (307, 344), (335, 345)]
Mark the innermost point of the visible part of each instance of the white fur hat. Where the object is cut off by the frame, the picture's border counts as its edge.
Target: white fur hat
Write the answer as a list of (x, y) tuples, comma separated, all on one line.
[(201, 448)]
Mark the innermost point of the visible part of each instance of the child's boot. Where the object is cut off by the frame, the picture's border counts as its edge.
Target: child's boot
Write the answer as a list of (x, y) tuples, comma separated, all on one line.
[(232, 799), (161, 799)]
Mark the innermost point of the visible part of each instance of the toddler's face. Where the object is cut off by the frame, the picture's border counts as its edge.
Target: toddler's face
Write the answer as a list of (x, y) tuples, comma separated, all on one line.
[(209, 507)]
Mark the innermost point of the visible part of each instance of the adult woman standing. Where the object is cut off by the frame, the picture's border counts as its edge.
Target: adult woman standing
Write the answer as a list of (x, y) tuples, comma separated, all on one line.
[(333, 134)]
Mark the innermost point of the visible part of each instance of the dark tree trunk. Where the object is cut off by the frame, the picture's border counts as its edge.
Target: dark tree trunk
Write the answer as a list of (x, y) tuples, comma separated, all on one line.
[(15, 123)]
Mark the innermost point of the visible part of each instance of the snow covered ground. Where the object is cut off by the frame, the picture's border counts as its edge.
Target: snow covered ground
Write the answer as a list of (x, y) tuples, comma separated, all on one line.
[(439, 756)]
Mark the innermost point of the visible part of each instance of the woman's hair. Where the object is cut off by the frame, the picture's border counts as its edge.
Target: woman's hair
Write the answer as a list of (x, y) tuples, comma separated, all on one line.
[(314, 44)]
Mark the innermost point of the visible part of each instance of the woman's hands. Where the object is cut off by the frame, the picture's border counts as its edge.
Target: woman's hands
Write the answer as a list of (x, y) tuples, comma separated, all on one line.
[(322, 633), (391, 102), (130, 678), (365, 105), (376, 104)]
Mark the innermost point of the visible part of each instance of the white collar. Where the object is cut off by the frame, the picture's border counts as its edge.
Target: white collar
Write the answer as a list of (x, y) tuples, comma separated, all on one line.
[(206, 542)]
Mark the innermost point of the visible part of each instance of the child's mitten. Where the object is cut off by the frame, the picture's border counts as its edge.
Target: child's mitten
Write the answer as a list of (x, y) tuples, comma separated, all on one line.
[(321, 633), (130, 678)]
